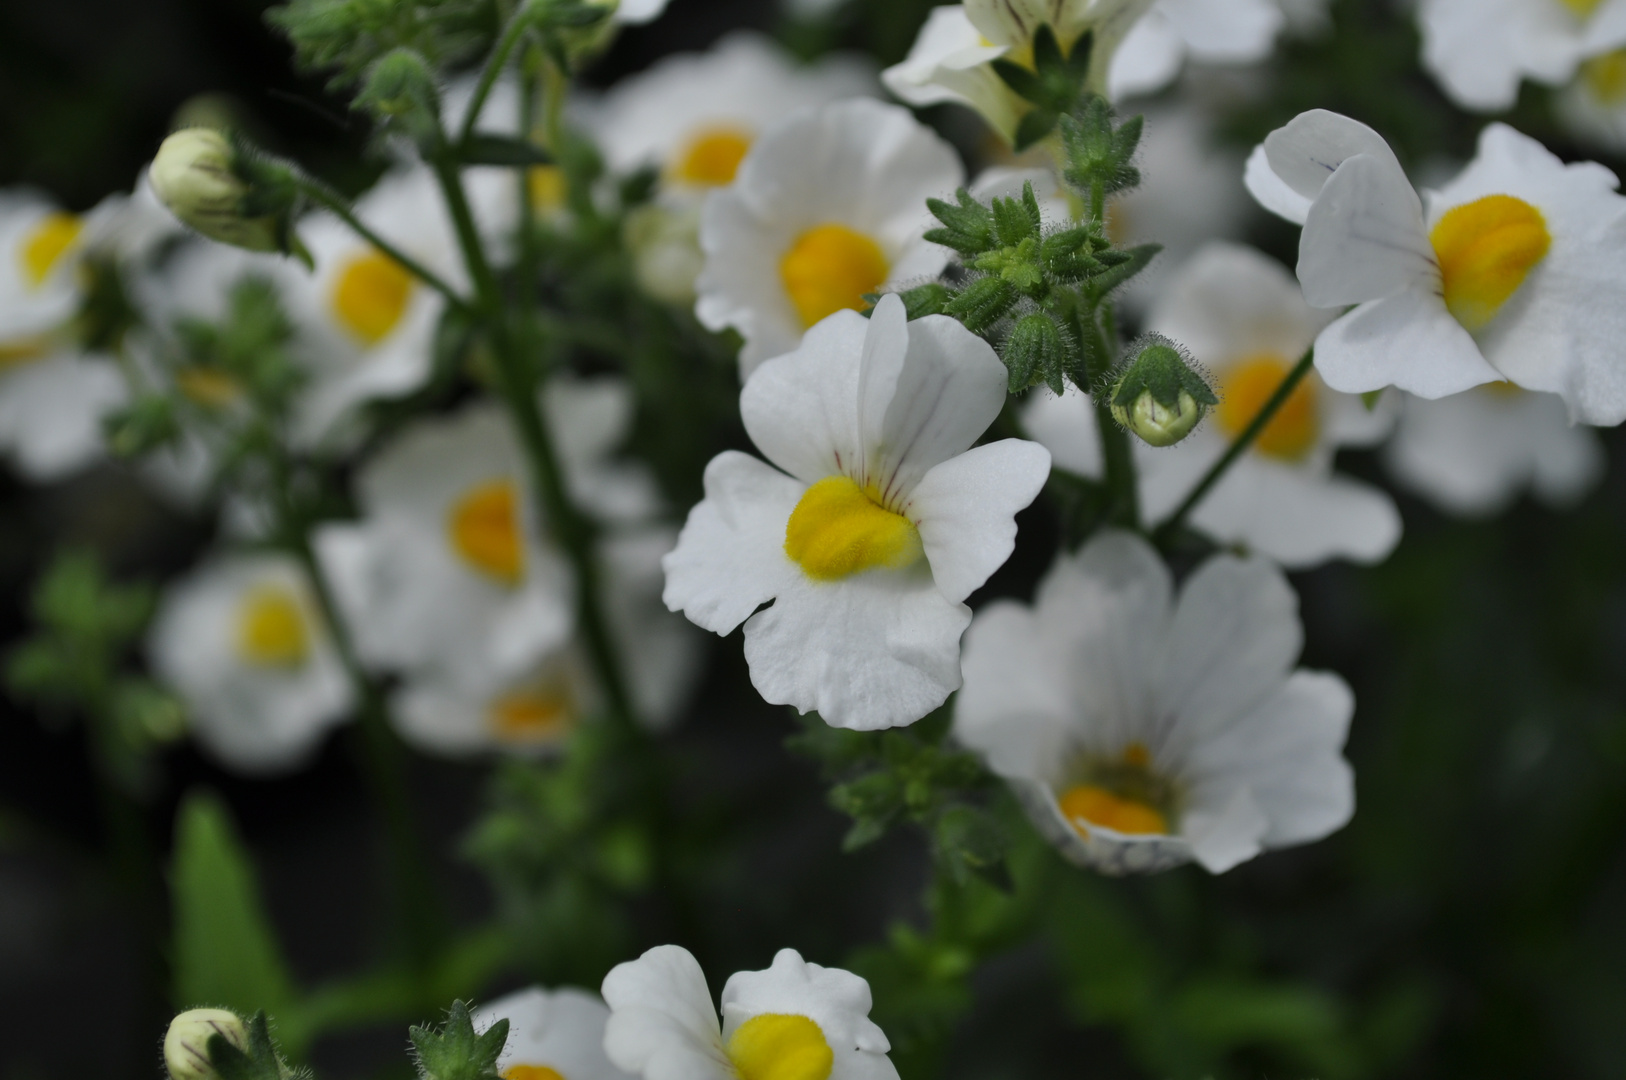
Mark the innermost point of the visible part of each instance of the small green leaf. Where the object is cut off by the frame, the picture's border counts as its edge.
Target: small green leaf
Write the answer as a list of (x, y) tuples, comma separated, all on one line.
[(1038, 123), (456, 1051), (1025, 83)]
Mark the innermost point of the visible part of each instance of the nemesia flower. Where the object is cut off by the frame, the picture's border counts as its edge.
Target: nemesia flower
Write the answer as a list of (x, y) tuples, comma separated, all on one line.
[(1594, 105), (241, 640), (1473, 453), (792, 1021), (883, 521), (1479, 50), (449, 568), (463, 710), (1208, 31), (552, 1035), (1143, 729), (1240, 315), (950, 58), (828, 206), (1516, 270)]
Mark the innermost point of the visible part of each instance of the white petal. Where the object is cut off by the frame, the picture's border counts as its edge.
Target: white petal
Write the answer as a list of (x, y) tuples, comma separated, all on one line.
[(837, 1001), (1225, 31), (1271, 191), (1224, 835), (966, 509), (1364, 238), (1409, 341), (1479, 49), (662, 1025), (1012, 709), (1309, 148), (1147, 59), (875, 650), (800, 408), (560, 1029), (730, 558), (51, 413), (1230, 302), (1065, 426)]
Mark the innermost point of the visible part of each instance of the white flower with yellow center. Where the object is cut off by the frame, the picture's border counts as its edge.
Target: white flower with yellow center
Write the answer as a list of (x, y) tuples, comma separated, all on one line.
[(552, 1035), (1241, 316), (448, 567), (1516, 269), (1473, 453), (793, 1021), (862, 551), (1594, 105), (367, 326), (1479, 50), (52, 397), (242, 641), (464, 710), (1205, 31), (1141, 729), (828, 206)]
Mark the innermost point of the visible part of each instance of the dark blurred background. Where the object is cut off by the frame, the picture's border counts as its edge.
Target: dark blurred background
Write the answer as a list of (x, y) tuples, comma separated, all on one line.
[(1467, 924)]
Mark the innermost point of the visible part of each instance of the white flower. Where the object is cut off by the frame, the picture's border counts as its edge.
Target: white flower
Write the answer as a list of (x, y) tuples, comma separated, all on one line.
[(241, 639), (1143, 730), (367, 326), (449, 568), (793, 1021), (464, 711), (1480, 49), (1517, 270), (552, 1035), (695, 115), (1594, 105), (637, 12), (1474, 452), (1240, 314), (1207, 31), (51, 410), (828, 206), (886, 521)]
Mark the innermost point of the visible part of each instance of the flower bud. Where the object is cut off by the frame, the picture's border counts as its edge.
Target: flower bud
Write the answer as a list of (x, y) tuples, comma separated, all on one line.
[(186, 1044), (1160, 395), (195, 175)]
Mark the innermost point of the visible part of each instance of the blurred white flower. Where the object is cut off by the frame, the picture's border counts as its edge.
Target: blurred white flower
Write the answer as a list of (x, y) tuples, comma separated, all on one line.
[(241, 640), (1206, 31), (1473, 453), (1594, 105), (1517, 270), (462, 711), (552, 1035), (793, 1021), (1240, 314), (828, 206), (886, 521), (450, 568), (1479, 50), (1141, 729)]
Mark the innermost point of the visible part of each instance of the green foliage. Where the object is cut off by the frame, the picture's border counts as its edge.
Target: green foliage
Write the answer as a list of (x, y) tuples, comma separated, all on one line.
[(1053, 86), (348, 36), (456, 1051), (1098, 152), (400, 94), (259, 1062), (1158, 367), (225, 951)]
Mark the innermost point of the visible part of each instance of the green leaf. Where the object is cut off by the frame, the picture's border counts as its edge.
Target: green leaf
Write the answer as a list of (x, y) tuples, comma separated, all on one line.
[(483, 149), (225, 952), (456, 1051), (1025, 83), (260, 1062), (1139, 259), (1038, 123)]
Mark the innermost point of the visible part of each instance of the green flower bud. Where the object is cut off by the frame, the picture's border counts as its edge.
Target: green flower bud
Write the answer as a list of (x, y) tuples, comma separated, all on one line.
[(186, 1044), (195, 175), (1160, 395), (400, 93)]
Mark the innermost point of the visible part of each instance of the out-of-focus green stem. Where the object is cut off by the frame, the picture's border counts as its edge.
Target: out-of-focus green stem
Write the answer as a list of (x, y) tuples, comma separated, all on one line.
[(320, 193), (517, 25)]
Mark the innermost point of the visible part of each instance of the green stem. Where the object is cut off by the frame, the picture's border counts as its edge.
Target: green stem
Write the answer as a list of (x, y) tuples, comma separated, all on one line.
[(320, 193), (1172, 524), (517, 25), (519, 390), (422, 922), (1117, 460)]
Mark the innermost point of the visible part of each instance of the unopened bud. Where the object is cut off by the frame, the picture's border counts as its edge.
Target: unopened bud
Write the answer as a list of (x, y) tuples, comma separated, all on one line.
[(1160, 395), (195, 176), (186, 1044), (400, 93)]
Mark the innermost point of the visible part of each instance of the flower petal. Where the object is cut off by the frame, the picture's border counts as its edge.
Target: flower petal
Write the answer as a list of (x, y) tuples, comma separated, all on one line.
[(799, 408), (1309, 148), (1409, 341), (1364, 238), (966, 507), (662, 1025)]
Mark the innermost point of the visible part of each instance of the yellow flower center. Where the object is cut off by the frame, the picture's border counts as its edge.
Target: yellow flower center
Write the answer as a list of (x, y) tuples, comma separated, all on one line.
[(370, 295), (1581, 9), (45, 245), (1123, 796), (484, 530), (1605, 77), (1247, 385), (1485, 249), (271, 628), (712, 156), (207, 387), (548, 187), (776, 1046), (839, 529), (1503, 389), (536, 714), (531, 1072), (831, 267)]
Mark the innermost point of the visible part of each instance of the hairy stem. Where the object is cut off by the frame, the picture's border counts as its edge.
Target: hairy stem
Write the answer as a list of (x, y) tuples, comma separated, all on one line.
[(1171, 525)]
